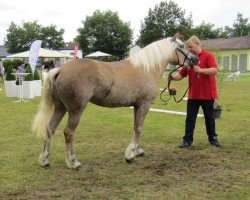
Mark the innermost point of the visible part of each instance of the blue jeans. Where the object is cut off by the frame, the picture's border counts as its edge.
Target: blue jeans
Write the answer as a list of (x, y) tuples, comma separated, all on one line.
[(192, 111)]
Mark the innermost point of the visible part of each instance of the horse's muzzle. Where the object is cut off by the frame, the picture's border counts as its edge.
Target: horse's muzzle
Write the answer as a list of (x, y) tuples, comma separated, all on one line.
[(193, 61)]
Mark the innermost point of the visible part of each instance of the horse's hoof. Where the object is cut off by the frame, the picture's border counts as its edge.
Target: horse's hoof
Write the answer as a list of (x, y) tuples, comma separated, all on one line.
[(44, 164), (76, 165), (141, 154), (130, 161)]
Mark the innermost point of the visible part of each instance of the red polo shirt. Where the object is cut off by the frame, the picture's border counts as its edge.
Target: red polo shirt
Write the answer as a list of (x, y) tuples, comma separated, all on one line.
[(202, 86)]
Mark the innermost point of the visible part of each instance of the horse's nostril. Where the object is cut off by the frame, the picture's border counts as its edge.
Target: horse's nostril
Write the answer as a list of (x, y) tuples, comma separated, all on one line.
[(193, 61)]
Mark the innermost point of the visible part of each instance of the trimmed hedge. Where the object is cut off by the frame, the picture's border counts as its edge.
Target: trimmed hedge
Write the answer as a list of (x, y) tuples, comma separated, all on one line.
[(30, 76), (7, 64), (36, 75)]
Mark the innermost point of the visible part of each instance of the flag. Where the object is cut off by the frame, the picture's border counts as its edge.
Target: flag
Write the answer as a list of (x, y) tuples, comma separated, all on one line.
[(33, 55)]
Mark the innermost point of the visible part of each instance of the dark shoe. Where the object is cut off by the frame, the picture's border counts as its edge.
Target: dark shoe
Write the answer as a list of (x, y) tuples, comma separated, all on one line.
[(214, 141), (185, 144)]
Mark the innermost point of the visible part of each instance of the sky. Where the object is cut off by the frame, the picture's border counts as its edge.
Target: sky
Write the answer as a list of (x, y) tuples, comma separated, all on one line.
[(70, 14)]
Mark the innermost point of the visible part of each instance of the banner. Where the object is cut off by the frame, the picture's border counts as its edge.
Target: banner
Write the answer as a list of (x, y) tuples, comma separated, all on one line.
[(75, 51), (33, 55)]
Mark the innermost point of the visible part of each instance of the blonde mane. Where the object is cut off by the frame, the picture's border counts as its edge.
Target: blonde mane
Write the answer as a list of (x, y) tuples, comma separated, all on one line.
[(153, 56)]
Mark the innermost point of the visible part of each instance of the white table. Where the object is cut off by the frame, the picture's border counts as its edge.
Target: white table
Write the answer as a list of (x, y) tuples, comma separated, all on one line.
[(20, 81)]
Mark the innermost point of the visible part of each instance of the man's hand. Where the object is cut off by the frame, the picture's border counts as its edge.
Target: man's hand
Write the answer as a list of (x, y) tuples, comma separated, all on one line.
[(176, 77), (206, 71), (197, 69)]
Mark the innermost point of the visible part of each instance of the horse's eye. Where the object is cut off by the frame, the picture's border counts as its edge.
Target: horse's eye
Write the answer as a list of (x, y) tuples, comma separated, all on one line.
[(182, 46)]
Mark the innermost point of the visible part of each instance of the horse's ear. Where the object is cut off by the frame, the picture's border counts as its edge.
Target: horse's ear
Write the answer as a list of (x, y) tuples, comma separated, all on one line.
[(174, 37), (178, 35)]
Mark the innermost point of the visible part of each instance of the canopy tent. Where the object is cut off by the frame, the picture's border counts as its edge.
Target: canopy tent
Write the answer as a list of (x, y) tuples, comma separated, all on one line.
[(44, 53), (98, 54)]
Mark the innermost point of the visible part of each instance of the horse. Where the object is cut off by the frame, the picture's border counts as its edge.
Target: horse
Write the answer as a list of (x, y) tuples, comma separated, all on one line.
[(133, 81)]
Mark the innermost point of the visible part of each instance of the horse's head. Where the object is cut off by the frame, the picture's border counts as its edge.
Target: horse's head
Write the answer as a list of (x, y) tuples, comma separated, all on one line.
[(182, 55)]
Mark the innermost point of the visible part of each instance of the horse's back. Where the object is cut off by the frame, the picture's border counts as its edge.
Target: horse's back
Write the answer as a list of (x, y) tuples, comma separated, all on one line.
[(81, 79), (112, 84)]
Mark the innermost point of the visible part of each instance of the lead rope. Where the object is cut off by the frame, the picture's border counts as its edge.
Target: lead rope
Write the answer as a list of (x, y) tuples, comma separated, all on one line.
[(169, 82)]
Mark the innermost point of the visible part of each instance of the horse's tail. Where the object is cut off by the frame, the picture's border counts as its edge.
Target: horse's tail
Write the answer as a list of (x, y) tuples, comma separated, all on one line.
[(46, 107)]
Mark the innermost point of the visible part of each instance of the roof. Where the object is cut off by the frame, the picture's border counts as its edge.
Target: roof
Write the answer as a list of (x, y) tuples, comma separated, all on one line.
[(98, 54), (42, 53), (70, 46), (227, 44), (3, 51)]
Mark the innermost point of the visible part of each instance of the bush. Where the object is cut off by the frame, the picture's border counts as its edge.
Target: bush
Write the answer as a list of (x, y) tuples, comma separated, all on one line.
[(16, 63), (36, 75), (7, 64), (30, 76)]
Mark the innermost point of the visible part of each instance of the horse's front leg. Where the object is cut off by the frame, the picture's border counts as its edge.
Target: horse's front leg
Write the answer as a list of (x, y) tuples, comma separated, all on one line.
[(134, 148)]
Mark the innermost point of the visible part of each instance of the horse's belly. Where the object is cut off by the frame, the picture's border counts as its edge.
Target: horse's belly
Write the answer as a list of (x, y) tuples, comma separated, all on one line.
[(123, 97), (112, 103)]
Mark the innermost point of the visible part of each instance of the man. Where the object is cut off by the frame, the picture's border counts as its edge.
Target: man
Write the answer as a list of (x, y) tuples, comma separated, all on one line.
[(202, 92)]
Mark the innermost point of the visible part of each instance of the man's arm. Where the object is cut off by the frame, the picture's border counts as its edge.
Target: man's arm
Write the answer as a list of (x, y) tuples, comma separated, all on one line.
[(206, 71), (176, 77)]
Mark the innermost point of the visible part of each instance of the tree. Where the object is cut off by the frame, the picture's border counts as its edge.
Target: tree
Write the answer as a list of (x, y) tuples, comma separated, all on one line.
[(104, 31), (241, 27), (163, 21), (52, 39), (20, 38), (207, 31)]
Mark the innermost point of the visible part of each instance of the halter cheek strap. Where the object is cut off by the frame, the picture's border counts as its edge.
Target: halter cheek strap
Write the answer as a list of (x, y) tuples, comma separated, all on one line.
[(170, 74), (185, 57)]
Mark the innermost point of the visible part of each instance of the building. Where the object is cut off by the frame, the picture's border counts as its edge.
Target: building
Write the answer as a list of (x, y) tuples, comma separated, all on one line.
[(69, 49), (232, 54), (3, 52)]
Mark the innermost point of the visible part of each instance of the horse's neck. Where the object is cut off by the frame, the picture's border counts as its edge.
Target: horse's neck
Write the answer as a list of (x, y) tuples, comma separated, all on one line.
[(163, 68)]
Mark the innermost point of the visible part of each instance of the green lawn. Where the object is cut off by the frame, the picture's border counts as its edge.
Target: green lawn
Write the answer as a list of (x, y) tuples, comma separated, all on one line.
[(166, 172)]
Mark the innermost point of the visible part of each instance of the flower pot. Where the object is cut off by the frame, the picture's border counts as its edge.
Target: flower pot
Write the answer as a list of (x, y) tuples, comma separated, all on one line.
[(19, 91), (10, 88), (28, 89), (37, 87), (217, 112)]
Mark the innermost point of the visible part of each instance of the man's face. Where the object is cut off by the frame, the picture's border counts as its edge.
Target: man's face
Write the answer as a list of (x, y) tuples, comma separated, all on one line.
[(194, 47)]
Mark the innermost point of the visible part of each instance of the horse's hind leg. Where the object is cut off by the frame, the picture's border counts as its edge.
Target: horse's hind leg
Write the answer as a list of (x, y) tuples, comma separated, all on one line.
[(58, 114), (73, 121), (134, 148)]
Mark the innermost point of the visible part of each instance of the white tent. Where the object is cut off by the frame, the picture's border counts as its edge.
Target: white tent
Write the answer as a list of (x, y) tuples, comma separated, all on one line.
[(42, 53), (98, 54)]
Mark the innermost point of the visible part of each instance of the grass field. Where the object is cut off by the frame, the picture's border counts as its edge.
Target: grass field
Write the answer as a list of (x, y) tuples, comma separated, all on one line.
[(166, 172)]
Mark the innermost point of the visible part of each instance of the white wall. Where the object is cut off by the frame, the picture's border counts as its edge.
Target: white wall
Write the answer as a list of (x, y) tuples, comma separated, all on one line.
[(71, 52)]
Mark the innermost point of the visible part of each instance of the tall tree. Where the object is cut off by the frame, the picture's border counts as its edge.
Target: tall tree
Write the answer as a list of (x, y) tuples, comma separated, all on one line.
[(104, 31), (241, 27), (19, 38), (163, 21), (52, 38), (207, 31)]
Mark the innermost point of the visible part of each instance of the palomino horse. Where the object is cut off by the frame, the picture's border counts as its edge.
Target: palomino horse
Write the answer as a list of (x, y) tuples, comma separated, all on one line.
[(130, 82)]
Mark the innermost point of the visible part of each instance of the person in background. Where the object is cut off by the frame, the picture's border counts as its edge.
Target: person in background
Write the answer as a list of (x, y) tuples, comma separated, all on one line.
[(202, 92), (1, 69), (49, 65)]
